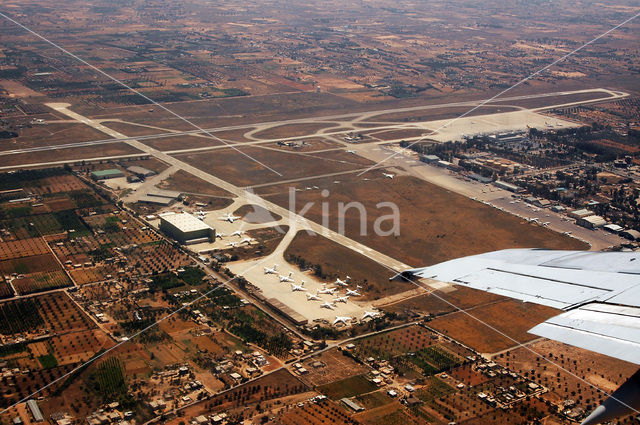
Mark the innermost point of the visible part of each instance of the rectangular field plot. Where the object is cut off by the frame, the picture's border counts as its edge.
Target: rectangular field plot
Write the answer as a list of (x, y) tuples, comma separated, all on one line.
[(20, 316), (348, 387), (321, 412), (42, 281), (22, 248), (390, 344), (5, 289), (32, 264), (32, 226), (85, 275)]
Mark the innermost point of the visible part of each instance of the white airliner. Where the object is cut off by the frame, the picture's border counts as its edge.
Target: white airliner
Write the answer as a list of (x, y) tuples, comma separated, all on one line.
[(233, 244), (300, 287), (326, 290), (328, 305), (546, 223), (274, 270), (370, 314), (598, 293), (229, 217), (350, 151), (341, 299), (287, 278), (388, 175), (342, 319), (353, 293), (311, 297), (247, 240), (237, 233), (341, 282)]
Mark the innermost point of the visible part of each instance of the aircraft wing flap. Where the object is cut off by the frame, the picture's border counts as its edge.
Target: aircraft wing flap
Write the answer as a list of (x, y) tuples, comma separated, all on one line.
[(603, 328)]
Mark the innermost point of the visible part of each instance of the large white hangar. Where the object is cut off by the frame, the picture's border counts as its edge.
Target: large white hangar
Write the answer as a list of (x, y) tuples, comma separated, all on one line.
[(186, 228)]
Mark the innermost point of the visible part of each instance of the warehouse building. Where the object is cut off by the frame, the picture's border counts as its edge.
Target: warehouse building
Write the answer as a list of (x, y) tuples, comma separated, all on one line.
[(186, 228), (591, 222), (140, 171), (111, 173), (35, 411)]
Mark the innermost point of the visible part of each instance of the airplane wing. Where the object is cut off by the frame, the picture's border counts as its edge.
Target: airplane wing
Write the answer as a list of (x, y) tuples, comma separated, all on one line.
[(598, 291)]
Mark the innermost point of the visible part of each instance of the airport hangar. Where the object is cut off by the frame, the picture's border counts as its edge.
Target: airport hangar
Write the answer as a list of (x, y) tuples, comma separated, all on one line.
[(186, 228)]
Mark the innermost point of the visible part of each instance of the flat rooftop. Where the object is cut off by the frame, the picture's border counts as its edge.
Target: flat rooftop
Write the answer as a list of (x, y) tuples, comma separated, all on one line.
[(186, 222)]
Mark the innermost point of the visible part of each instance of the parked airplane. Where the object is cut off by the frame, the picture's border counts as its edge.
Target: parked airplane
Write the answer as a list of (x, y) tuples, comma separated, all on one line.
[(370, 314), (326, 290), (274, 270), (237, 233), (328, 305), (350, 151), (341, 282), (287, 278), (599, 293), (546, 223), (342, 319), (233, 244), (354, 293), (388, 175), (229, 217), (341, 299), (300, 287), (247, 240), (311, 297)]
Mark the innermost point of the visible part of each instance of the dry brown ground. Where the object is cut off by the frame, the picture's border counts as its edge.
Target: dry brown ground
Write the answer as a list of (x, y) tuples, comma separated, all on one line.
[(338, 261), (186, 182), (435, 225), (511, 317), (78, 153), (236, 168), (291, 130), (52, 134)]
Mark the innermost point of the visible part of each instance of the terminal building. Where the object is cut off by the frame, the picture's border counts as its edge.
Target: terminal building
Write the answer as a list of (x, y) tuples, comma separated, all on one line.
[(186, 228)]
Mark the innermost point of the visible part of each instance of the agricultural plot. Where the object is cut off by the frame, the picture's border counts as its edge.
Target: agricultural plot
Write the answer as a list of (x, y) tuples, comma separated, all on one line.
[(28, 313), (32, 226), (18, 386), (348, 387), (331, 366), (78, 346), (109, 381), (32, 264), (5, 289), (41, 281), (91, 274), (61, 314), (22, 248), (512, 318), (275, 385), (387, 345), (316, 413)]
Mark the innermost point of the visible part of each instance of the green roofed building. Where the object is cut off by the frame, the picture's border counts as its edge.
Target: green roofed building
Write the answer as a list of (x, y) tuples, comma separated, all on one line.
[(111, 173)]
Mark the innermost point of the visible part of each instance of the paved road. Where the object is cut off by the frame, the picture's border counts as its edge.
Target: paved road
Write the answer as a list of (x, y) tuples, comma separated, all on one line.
[(295, 220), (342, 119)]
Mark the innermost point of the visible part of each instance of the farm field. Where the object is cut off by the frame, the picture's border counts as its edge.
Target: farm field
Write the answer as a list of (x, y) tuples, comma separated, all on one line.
[(348, 387), (330, 366), (512, 318), (316, 413)]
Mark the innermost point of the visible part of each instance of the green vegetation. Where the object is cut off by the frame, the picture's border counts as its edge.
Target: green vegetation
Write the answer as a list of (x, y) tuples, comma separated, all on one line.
[(434, 390), (19, 212), (10, 349), (48, 361), (165, 281), (19, 316), (25, 178), (192, 275), (347, 387), (438, 357), (101, 253), (109, 381), (69, 220)]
